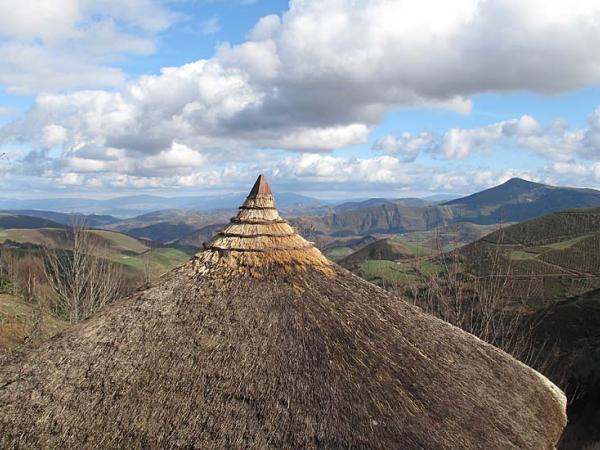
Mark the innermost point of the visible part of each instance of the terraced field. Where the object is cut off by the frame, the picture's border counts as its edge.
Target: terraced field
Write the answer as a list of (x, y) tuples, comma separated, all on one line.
[(543, 259)]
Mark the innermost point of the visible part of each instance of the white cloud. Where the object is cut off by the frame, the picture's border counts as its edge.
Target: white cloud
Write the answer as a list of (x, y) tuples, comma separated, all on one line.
[(265, 28), (578, 171), (323, 139), (408, 145), (53, 135), (555, 141), (67, 44), (460, 143)]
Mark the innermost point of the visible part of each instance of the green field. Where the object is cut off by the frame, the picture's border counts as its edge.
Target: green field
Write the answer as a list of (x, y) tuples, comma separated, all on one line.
[(119, 241), (398, 273), (338, 253), (157, 260)]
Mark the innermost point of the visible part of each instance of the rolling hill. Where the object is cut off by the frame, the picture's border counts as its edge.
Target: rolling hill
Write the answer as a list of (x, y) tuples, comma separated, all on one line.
[(8, 220), (134, 254), (384, 249)]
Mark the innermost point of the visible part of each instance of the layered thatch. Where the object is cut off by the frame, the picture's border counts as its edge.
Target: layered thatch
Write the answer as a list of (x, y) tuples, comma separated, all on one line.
[(260, 342)]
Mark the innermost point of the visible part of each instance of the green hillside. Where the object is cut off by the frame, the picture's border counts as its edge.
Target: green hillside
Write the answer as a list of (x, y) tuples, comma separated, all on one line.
[(8, 220), (557, 255), (550, 228), (449, 237), (134, 254), (20, 320)]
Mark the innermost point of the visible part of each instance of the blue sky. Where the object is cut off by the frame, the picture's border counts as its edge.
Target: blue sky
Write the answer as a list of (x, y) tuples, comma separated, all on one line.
[(331, 98)]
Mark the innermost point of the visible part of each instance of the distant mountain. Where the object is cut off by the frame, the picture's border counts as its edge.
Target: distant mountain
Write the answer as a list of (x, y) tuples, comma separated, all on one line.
[(170, 225), (131, 206), (351, 206), (440, 198), (199, 237), (91, 220), (514, 201), (385, 218), (518, 200)]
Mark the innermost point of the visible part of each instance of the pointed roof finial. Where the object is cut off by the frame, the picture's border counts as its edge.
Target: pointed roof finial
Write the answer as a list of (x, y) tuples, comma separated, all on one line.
[(260, 187)]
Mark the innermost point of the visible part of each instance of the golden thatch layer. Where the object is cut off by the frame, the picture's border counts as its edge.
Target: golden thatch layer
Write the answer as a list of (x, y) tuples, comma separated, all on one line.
[(260, 201), (260, 229), (258, 215), (258, 237)]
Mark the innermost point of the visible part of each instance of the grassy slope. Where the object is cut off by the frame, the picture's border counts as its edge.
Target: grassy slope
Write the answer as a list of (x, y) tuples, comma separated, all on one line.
[(384, 249), (17, 320), (554, 256), (158, 259), (123, 249)]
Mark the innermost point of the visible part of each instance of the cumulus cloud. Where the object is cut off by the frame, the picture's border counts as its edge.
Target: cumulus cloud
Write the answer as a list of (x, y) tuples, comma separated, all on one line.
[(317, 78), (66, 44), (53, 135), (459, 143), (555, 141)]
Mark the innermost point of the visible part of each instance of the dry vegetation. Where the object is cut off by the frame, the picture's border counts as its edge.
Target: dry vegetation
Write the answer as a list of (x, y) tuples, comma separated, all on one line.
[(82, 279), (46, 287)]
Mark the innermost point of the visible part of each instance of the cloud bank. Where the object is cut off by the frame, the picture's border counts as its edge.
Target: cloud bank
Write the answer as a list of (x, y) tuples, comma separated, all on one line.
[(316, 79)]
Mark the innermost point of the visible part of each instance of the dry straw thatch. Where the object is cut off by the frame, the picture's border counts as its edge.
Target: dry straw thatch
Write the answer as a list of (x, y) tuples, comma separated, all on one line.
[(260, 342)]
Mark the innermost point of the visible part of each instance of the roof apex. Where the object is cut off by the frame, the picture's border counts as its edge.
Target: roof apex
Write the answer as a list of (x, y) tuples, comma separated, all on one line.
[(260, 187)]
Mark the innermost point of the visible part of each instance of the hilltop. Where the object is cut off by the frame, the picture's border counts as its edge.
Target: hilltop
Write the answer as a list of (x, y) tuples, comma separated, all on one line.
[(518, 200), (384, 249)]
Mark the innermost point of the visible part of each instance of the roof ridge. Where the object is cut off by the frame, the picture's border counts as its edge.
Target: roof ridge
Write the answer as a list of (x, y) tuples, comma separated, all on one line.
[(260, 187)]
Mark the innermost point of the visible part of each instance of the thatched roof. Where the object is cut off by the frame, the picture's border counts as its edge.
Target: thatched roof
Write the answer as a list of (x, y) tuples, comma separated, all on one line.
[(260, 342)]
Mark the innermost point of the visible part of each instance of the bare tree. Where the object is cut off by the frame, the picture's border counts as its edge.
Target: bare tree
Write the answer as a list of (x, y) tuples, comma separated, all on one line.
[(82, 277)]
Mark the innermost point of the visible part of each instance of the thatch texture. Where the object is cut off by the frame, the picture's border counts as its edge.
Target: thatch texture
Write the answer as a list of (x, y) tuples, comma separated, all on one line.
[(271, 348)]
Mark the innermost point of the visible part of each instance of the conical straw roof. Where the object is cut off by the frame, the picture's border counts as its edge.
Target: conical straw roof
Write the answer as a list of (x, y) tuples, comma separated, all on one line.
[(258, 237), (259, 342)]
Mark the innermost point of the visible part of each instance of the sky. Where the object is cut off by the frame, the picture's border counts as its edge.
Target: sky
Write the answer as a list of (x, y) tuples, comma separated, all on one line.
[(329, 98)]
